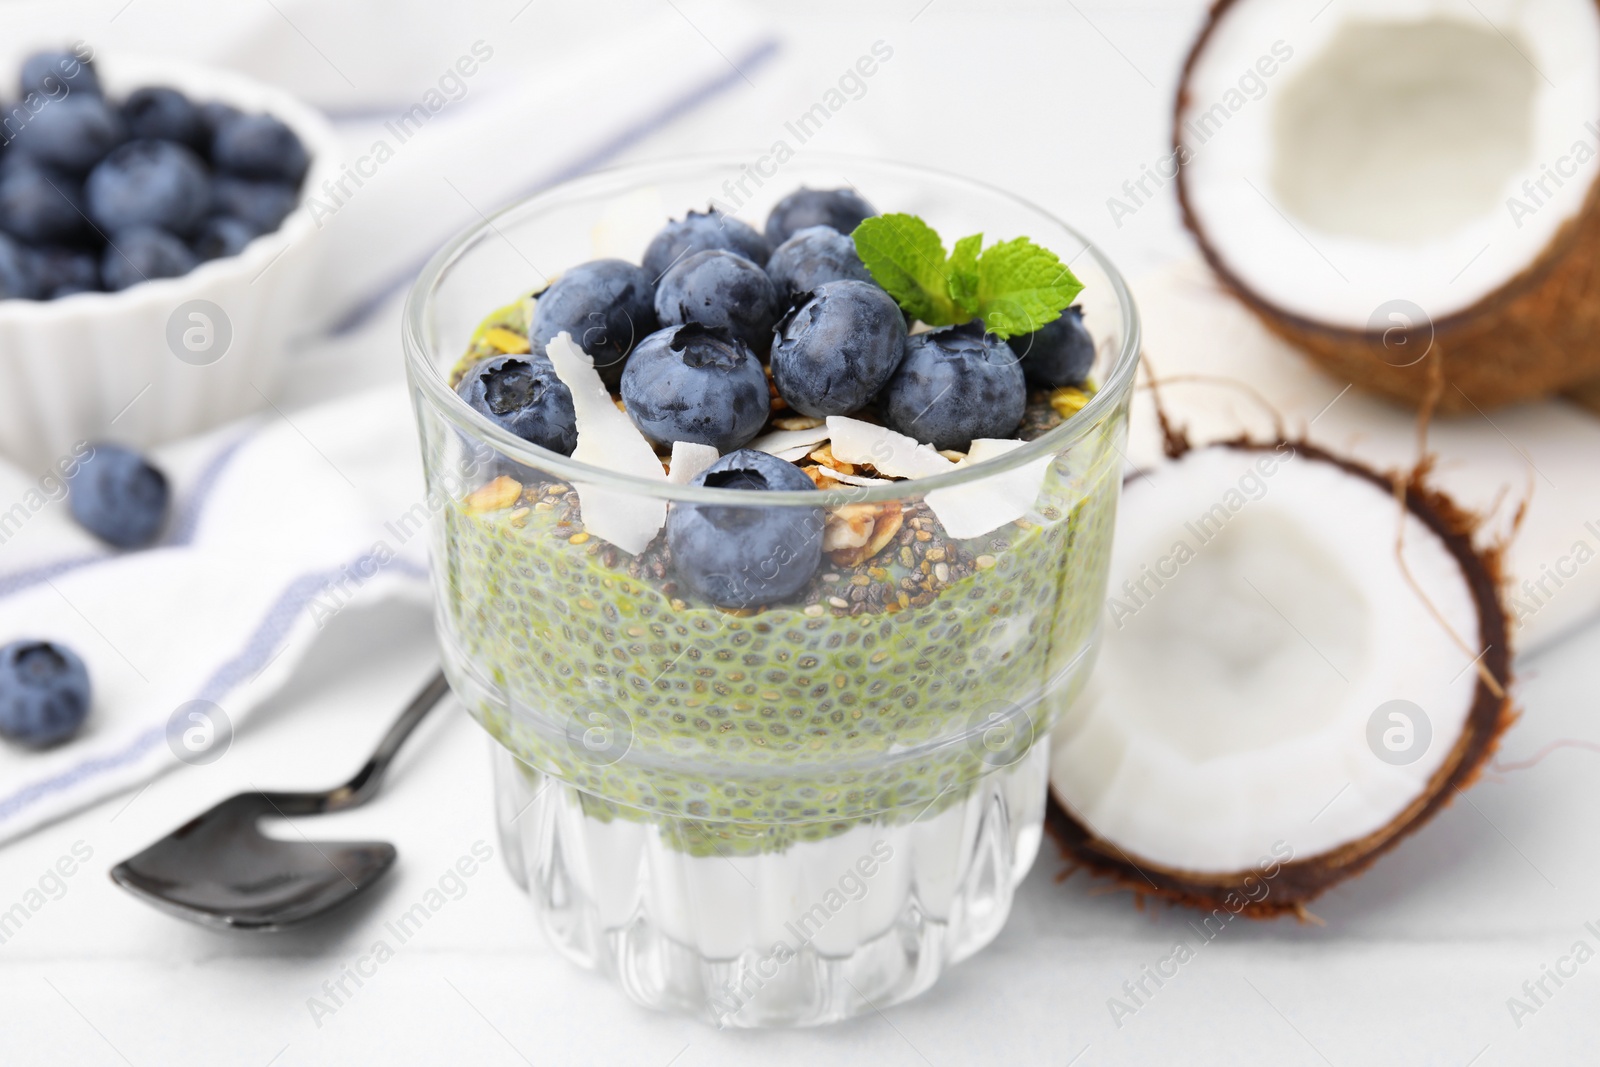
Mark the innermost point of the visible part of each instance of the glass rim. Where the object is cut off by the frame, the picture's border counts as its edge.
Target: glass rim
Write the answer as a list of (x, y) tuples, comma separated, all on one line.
[(427, 378)]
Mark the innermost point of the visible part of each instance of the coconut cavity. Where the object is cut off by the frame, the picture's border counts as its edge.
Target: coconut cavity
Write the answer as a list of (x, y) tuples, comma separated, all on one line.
[(1266, 585), (1426, 153), (1401, 133)]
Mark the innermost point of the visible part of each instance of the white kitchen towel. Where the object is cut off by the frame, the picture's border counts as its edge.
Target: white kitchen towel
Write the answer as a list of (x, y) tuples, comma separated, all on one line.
[(285, 520), (278, 524), (1218, 360)]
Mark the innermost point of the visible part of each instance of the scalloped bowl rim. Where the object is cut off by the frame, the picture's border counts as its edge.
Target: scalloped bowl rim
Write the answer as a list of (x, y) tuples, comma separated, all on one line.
[(124, 73)]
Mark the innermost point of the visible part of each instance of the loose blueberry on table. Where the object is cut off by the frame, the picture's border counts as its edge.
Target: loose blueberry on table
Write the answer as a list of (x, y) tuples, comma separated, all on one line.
[(44, 693), (119, 496), (99, 194)]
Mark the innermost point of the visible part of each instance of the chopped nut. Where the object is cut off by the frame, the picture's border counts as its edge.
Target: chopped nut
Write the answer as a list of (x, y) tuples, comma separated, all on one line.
[(941, 571), (1068, 401), (824, 456), (885, 522), (935, 554), (850, 526), (952, 455), (506, 340), (500, 493), (984, 562), (838, 602), (797, 422), (577, 538), (924, 535), (820, 479), (813, 610)]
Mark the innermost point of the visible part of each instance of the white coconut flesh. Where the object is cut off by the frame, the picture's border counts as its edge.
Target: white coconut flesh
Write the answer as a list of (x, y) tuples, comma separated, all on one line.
[(1380, 150), (1257, 618)]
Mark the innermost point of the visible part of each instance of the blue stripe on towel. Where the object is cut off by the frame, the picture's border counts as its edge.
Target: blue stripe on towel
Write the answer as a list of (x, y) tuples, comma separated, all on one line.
[(607, 150)]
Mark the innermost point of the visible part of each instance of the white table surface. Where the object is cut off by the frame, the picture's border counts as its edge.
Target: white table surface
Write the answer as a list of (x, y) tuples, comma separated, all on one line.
[(1415, 962)]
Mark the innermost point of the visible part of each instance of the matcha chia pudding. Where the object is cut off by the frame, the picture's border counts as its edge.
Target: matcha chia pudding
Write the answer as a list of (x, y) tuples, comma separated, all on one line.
[(769, 551)]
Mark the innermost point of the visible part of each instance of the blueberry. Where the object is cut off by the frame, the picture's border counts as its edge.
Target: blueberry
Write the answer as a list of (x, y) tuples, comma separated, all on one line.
[(72, 133), (64, 271), (721, 290), (149, 183), (222, 235), (699, 231), (47, 72), (955, 385), (18, 271), (835, 351), (259, 146), (841, 209), (523, 395), (144, 254), (814, 255), (742, 557), (1057, 353), (263, 204), (44, 692), (213, 113), (166, 115), (40, 206), (118, 496), (605, 305), (691, 383)]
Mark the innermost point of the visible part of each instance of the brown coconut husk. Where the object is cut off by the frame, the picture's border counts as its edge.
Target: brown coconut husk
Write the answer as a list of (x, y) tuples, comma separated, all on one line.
[(1294, 884), (1535, 336), (1587, 394)]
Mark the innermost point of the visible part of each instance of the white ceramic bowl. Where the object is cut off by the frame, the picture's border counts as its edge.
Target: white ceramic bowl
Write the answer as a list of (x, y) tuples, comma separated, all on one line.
[(136, 366)]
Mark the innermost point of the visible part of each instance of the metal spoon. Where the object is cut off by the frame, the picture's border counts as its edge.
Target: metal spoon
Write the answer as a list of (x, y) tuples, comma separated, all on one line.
[(218, 869)]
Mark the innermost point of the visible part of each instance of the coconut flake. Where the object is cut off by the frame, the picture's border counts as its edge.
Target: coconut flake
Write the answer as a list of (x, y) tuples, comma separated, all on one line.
[(852, 479), (891, 453), (781, 442), (689, 460), (608, 438), (973, 510)]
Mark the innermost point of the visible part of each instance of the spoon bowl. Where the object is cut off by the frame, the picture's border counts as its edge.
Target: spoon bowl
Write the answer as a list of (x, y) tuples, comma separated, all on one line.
[(219, 870)]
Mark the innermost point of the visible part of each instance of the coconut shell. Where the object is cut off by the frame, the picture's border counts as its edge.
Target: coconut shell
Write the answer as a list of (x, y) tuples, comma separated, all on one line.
[(1587, 394), (1296, 883), (1536, 335)]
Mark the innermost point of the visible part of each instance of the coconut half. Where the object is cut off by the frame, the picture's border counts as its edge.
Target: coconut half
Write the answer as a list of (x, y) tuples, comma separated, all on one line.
[(1276, 704), (1405, 191)]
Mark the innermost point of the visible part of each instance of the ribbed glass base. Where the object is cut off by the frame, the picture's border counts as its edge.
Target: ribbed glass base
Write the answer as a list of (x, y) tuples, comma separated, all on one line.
[(814, 932)]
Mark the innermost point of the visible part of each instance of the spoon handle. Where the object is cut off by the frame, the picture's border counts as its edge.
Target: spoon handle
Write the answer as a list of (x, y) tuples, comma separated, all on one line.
[(360, 789)]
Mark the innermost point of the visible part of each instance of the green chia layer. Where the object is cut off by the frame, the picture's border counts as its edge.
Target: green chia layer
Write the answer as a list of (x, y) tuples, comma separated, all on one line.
[(739, 733)]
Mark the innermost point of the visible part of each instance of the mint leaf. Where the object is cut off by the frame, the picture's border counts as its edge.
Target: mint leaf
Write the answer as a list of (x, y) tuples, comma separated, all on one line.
[(1022, 286), (964, 277), (907, 258), (1015, 287)]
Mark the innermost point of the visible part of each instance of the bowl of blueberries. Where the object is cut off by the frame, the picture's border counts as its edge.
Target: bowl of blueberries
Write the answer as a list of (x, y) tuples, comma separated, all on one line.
[(154, 257)]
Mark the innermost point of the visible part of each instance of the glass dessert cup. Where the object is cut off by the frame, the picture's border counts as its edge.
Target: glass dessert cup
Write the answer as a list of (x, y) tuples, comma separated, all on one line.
[(801, 811)]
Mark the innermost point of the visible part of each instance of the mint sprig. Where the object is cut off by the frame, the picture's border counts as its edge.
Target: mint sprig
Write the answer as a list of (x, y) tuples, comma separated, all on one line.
[(1015, 286)]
